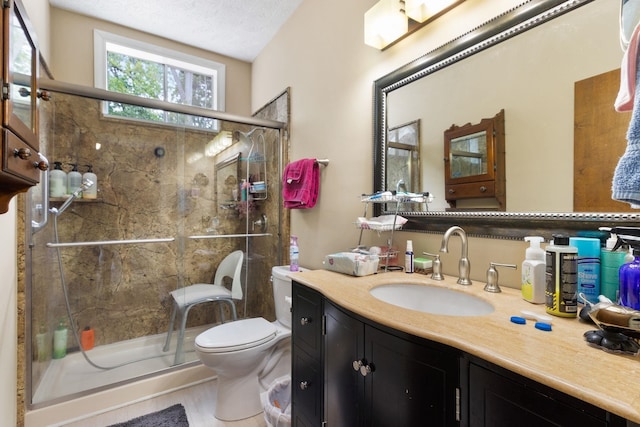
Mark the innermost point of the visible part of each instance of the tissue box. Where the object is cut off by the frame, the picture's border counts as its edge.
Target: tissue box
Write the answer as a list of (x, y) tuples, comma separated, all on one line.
[(351, 263)]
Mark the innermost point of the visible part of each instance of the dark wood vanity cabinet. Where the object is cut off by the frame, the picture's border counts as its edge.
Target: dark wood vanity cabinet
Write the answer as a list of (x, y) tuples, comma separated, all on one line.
[(370, 375), (350, 371), (21, 161), (498, 397)]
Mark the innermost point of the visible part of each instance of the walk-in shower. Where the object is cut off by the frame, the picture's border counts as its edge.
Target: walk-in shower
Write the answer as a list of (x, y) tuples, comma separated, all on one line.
[(169, 209)]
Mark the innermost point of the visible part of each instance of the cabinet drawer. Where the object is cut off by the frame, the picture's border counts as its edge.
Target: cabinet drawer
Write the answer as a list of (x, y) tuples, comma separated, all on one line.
[(470, 190), (15, 168), (307, 320)]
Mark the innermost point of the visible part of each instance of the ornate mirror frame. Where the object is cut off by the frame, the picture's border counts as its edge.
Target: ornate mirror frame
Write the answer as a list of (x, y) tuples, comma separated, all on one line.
[(501, 225)]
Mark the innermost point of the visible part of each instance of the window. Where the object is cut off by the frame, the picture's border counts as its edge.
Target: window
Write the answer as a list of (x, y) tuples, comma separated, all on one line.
[(136, 68)]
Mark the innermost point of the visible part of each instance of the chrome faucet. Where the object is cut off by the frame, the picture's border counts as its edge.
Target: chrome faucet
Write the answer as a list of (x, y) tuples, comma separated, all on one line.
[(464, 266)]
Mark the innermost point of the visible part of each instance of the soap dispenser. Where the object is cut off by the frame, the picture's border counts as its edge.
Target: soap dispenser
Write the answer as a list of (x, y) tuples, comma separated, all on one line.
[(74, 179), (60, 341), (57, 181), (612, 257), (92, 191), (533, 271)]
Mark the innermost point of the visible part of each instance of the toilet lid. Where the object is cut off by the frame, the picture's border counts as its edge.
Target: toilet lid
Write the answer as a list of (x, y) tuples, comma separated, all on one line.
[(236, 335)]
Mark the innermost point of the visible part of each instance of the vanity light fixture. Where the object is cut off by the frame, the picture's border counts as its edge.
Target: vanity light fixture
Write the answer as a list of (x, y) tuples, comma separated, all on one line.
[(384, 23), (389, 21)]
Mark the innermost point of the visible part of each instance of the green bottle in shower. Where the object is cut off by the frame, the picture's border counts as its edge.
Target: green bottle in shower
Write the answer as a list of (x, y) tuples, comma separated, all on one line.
[(60, 341)]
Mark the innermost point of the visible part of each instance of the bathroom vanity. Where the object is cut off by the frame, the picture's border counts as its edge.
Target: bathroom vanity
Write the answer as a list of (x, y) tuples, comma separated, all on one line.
[(360, 361)]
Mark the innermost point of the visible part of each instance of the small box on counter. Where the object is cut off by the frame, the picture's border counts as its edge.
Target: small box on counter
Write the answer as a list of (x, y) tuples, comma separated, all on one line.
[(354, 264)]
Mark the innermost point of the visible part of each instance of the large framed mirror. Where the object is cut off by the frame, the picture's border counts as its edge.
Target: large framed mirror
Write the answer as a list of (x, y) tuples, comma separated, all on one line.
[(527, 61)]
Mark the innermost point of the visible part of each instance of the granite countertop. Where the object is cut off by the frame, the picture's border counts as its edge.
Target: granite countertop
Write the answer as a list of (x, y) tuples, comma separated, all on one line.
[(560, 359)]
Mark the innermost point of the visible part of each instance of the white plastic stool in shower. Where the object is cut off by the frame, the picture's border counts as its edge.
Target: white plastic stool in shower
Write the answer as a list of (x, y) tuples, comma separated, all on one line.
[(189, 296)]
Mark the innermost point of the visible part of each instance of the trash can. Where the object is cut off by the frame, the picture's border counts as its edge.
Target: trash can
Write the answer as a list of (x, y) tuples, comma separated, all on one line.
[(277, 403)]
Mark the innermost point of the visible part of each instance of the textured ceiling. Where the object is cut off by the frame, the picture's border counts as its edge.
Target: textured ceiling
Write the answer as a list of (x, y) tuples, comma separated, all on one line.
[(236, 28)]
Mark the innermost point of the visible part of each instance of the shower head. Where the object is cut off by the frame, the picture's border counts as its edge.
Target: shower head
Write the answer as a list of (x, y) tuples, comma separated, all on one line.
[(86, 184)]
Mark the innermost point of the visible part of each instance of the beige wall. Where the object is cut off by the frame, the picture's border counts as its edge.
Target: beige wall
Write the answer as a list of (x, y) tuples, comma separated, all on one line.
[(72, 56), (320, 54)]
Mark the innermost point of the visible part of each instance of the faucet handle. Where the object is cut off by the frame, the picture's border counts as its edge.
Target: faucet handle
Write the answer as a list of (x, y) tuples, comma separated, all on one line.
[(492, 276), (437, 266)]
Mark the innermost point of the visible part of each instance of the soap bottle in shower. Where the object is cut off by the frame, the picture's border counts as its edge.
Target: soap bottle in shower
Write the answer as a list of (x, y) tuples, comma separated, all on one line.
[(41, 344), (57, 181), (74, 179), (60, 341), (91, 192), (87, 338)]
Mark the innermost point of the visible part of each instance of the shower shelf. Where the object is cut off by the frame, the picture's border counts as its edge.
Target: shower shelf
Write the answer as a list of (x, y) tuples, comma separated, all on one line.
[(78, 200)]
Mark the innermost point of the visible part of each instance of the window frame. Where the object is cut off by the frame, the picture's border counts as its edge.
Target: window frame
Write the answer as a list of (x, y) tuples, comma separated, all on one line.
[(151, 52)]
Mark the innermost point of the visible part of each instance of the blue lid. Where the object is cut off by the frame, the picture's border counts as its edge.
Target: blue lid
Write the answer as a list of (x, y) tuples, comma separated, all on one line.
[(519, 320), (587, 246), (543, 326)]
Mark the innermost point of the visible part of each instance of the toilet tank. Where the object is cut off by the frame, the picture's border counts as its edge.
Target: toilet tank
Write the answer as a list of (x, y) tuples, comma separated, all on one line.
[(282, 293)]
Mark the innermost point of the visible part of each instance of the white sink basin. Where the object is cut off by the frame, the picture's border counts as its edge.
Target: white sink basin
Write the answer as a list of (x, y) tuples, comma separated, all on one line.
[(432, 299)]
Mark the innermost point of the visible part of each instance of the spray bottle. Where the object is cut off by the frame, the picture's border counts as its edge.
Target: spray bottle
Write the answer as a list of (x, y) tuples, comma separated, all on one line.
[(533, 280)]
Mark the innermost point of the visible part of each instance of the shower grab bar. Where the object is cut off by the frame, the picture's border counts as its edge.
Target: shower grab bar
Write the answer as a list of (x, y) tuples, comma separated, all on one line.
[(224, 236), (110, 242)]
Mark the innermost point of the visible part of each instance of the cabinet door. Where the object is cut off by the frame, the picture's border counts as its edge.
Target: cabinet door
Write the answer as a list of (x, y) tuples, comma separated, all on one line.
[(344, 385), (412, 384), (306, 320), (497, 401), (307, 384), (20, 74)]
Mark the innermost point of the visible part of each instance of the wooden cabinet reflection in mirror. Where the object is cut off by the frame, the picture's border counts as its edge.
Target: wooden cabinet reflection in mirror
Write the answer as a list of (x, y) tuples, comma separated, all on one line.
[(475, 165)]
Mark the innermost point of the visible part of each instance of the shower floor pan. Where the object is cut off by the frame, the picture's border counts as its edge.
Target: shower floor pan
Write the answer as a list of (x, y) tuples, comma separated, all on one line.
[(72, 376)]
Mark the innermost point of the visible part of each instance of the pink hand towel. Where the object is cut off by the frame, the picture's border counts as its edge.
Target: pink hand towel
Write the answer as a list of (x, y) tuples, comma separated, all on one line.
[(301, 184), (624, 100)]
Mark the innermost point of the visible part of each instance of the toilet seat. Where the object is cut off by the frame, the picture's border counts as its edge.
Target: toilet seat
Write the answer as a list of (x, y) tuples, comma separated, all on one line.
[(237, 335)]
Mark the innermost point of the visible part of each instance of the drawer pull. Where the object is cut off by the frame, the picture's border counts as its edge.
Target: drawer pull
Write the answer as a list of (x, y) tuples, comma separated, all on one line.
[(23, 153), (305, 320), (304, 385), (362, 366), (451, 191), (483, 189)]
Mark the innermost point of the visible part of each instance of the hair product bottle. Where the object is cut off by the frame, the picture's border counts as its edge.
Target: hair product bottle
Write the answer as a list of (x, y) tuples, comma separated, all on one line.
[(611, 260), (533, 269), (588, 266), (408, 258), (294, 253), (561, 276)]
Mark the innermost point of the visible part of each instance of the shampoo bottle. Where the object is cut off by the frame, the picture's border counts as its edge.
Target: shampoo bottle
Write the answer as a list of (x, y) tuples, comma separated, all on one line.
[(561, 277), (294, 253), (41, 344), (611, 260), (74, 179), (60, 341), (408, 258), (91, 192), (57, 181), (533, 267), (588, 266), (87, 338)]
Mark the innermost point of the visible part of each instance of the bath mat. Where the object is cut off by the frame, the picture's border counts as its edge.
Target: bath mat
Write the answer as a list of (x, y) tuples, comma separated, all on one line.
[(173, 416)]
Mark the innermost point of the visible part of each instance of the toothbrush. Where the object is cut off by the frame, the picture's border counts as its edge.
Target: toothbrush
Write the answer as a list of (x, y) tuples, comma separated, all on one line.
[(541, 318)]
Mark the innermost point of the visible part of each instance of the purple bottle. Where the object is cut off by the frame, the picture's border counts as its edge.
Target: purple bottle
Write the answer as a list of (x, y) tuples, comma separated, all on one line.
[(630, 282)]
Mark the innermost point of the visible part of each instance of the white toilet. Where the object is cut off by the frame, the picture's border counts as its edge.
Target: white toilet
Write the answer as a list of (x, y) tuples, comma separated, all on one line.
[(248, 354)]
